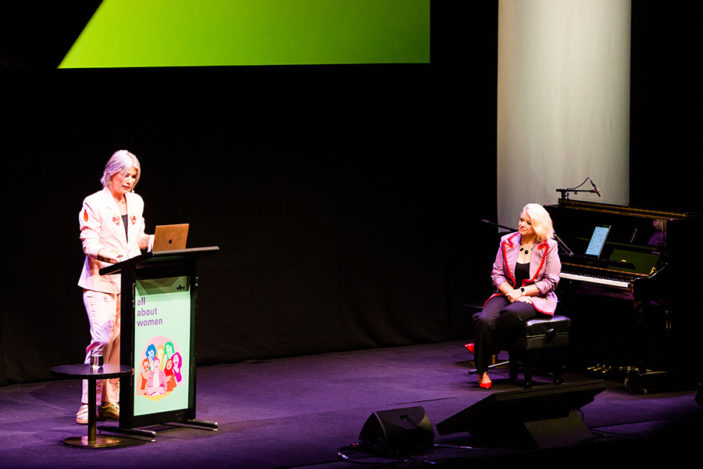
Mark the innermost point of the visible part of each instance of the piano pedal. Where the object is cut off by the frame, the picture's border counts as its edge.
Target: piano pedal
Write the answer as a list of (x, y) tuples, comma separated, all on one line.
[(598, 371), (598, 368)]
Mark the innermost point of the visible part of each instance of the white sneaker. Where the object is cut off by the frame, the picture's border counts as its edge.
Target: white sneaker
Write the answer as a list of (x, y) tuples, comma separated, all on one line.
[(82, 415)]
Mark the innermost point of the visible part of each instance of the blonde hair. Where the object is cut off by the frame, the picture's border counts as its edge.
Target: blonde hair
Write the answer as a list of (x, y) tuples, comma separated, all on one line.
[(541, 221), (120, 161)]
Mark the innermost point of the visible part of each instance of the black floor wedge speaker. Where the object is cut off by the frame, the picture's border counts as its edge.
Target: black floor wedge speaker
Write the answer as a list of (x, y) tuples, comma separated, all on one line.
[(397, 432), (541, 417)]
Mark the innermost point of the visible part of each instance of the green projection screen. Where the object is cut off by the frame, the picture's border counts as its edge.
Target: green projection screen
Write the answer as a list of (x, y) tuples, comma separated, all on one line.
[(188, 33)]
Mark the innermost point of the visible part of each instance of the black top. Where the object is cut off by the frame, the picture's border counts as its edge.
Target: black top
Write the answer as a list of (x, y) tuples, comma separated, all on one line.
[(124, 222), (522, 273)]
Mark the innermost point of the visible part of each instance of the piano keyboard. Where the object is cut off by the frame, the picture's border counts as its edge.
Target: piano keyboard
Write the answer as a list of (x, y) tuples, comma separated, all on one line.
[(596, 280)]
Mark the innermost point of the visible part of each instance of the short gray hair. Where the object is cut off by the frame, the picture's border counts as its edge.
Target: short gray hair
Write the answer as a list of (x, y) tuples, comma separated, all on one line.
[(120, 161)]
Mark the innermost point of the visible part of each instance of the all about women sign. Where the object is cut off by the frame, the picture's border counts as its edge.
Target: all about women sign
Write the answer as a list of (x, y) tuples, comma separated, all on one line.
[(161, 344)]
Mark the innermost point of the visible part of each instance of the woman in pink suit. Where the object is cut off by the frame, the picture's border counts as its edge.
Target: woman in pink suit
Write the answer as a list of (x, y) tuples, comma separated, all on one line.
[(525, 273), (111, 230)]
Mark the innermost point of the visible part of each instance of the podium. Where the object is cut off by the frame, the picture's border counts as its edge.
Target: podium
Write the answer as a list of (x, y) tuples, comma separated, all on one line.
[(158, 312)]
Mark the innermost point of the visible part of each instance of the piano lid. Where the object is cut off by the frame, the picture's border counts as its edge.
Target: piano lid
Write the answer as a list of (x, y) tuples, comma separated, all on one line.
[(584, 206)]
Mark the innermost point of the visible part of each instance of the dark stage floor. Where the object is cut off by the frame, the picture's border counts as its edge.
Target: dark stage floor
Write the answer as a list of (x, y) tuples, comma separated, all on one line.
[(296, 412)]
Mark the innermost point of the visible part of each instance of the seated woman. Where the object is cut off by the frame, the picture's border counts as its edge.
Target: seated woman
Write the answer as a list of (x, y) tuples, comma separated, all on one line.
[(526, 273)]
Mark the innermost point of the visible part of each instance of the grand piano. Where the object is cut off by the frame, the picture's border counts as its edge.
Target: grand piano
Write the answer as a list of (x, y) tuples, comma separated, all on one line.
[(629, 296)]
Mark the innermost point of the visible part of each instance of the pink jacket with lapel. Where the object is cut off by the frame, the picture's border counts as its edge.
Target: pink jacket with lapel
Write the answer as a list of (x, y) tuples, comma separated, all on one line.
[(545, 268), (102, 227)]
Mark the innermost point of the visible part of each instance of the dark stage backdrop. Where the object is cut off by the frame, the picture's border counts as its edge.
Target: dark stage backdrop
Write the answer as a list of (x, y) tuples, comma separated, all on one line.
[(345, 199), (666, 105)]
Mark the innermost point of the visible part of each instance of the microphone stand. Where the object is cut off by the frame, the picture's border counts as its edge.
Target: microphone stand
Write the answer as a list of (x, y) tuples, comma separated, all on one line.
[(509, 228), (561, 242), (565, 192)]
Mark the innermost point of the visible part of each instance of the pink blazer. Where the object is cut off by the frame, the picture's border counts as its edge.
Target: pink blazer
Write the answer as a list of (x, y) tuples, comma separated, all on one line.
[(545, 268), (102, 228)]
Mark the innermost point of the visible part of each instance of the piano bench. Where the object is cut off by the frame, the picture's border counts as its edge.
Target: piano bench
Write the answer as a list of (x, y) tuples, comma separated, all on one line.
[(540, 336)]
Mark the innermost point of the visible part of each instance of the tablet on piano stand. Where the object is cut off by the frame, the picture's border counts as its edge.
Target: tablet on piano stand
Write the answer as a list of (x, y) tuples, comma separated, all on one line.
[(170, 237), (595, 245)]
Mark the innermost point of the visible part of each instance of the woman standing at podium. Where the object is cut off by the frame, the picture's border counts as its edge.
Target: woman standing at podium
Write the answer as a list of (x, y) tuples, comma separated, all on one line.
[(111, 231), (525, 274)]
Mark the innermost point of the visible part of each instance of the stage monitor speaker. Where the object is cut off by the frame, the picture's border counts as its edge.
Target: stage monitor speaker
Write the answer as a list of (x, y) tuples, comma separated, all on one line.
[(397, 431), (542, 417)]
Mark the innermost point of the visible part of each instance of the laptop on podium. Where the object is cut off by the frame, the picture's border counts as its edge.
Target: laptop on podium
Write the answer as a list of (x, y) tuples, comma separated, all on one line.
[(170, 237)]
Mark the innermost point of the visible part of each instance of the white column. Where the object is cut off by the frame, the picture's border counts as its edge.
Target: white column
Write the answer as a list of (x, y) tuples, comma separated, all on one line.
[(563, 101)]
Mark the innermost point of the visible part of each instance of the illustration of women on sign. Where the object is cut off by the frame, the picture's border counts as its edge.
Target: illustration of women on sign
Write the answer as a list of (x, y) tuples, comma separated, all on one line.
[(150, 355), (177, 364), (159, 372), (168, 349), (160, 356), (144, 373), (156, 383), (170, 378)]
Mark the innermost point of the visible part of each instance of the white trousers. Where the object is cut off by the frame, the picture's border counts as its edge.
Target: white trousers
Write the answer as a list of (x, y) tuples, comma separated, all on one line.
[(103, 311)]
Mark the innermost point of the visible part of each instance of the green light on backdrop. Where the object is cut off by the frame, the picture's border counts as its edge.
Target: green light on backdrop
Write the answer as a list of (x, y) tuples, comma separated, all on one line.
[(185, 33)]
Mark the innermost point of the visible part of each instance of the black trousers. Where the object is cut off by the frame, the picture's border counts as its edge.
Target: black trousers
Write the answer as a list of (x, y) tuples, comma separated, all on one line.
[(497, 326)]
